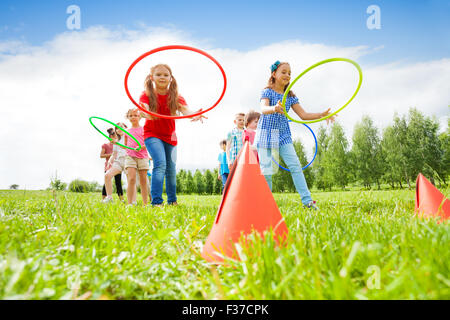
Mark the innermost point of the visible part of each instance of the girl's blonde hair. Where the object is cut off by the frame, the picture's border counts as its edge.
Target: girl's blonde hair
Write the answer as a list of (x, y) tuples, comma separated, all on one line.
[(132, 110), (151, 94), (271, 81)]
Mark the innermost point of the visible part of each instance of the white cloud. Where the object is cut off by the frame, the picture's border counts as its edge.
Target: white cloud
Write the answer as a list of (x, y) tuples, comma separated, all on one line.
[(49, 92)]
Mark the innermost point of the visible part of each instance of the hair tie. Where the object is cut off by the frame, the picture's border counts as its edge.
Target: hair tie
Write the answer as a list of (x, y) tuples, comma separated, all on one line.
[(274, 66)]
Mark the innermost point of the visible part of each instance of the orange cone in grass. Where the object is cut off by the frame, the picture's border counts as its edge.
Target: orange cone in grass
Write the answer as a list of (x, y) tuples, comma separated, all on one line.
[(247, 205), (430, 202)]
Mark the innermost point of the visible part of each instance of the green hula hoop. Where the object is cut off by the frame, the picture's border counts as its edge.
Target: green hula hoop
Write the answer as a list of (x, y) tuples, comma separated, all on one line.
[(115, 125), (283, 103)]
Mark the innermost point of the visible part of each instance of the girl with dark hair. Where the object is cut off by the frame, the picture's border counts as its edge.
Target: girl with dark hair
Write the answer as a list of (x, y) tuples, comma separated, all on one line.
[(107, 150), (116, 163)]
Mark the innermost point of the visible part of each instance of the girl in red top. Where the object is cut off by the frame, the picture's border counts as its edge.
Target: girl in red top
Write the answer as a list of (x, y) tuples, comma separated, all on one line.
[(161, 96)]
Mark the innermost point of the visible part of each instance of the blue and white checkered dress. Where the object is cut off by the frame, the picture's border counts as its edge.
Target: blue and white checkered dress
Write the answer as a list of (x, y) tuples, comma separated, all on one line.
[(273, 129)]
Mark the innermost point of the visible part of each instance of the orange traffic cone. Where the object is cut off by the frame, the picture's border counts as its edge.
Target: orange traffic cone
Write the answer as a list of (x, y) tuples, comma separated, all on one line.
[(430, 202), (247, 205)]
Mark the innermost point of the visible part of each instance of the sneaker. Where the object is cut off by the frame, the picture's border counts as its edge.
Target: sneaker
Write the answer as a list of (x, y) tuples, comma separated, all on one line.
[(107, 200), (311, 205), (159, 205)]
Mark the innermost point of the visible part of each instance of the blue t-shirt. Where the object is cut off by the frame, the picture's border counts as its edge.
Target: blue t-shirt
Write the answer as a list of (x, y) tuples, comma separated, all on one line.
[(223, 163)]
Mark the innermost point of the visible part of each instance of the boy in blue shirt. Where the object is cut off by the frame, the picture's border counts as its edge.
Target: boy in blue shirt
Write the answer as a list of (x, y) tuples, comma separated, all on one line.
[(223, 165)]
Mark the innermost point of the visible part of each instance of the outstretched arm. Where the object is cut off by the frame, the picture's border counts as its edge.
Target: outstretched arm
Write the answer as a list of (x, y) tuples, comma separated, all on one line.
[(311, 116), (144, 114), (186, 111)]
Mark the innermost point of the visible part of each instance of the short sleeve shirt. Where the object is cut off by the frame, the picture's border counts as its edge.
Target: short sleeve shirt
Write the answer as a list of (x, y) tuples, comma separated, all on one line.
[(273, 129), (138, 133), (163, 129), (235, 138), (223, 163)]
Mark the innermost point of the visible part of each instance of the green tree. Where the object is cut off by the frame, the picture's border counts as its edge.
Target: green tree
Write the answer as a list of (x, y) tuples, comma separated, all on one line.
[(14, 186), (199, 183), (209, 182), (322, 178), (445, 143), (425, 153), (79, 185), (217, 182), (189, 183), (181, 181), (366, 156), (394, 157), (335, 159)]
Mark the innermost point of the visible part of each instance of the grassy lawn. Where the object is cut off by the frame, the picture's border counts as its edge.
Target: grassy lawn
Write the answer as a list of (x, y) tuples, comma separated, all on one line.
[(360, 245)]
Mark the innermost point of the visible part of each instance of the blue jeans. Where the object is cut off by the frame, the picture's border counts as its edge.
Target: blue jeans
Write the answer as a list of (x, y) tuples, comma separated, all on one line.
[(224, 179), (287, 153), (164, 157)]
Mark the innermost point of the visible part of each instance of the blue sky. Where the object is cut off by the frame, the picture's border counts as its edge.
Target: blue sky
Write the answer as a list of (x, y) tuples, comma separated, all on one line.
[(410, 30)]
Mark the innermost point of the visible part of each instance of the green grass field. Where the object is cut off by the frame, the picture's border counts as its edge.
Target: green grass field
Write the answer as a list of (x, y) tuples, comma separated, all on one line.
[(360, 245)]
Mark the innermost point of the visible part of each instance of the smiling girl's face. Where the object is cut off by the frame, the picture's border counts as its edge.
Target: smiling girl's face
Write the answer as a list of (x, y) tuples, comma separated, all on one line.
[(161, 77), (283, 74), (134, 117)]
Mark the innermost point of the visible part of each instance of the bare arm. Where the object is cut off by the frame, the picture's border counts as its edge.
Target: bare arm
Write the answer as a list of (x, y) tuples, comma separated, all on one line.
[(266, 108), (186, 111), (143, 114), (309, 115)]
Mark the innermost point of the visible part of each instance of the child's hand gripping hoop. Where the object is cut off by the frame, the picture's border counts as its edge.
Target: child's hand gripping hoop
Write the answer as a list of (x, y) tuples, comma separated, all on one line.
[(171, 48), (118, 127), (315, 153), (283, 102)]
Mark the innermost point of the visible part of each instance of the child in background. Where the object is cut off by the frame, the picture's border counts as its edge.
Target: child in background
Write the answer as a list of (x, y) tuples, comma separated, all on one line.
[(251, 123), (136, 162), (116, 164), (106, 153), (273, 129), (223, 166), (161, 96), (234, 139)]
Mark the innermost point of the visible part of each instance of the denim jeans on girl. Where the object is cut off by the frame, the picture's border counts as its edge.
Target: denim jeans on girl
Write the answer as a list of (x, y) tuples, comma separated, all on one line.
[(289, 156), (164, 165)]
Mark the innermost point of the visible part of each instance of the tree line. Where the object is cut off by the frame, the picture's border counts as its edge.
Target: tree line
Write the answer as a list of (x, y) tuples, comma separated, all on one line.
[(395, 156)]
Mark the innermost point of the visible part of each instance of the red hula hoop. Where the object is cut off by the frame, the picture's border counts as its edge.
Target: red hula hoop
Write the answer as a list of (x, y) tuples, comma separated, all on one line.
[(171, 48)]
